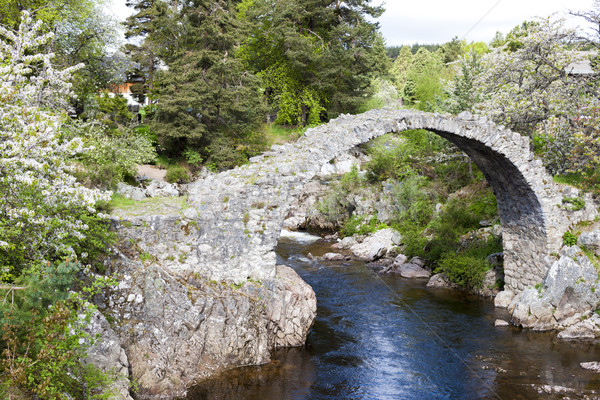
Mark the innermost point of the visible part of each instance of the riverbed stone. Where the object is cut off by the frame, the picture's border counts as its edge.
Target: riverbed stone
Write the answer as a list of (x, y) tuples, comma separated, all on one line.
[(503, 299), (439, 281), (501, 323), (592, 366), (412, 271), (333, 257), (584, 330), (376, 245)]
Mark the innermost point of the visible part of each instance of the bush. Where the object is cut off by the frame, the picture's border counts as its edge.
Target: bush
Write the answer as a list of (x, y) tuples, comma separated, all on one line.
[(464, 270), (358, 225), (570, 239), (177, 174)]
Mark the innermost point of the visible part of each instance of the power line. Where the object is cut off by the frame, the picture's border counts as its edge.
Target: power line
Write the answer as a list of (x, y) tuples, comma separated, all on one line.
[(428, 326), (481, 19)]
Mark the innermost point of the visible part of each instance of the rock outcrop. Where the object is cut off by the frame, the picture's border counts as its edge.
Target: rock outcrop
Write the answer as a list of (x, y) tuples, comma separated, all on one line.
[(178, 327), (568, 294)]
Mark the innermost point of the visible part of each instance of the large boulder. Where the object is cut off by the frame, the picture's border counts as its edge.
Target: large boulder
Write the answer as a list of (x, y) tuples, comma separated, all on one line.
[(161, 189), (412, 271), (178, 327), (377, 245), (107, 354), (590, 240), (569, 292), (131, 192)]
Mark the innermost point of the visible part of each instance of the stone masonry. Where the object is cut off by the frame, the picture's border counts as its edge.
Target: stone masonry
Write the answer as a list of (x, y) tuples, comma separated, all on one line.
[(240, 212), (199, 289)]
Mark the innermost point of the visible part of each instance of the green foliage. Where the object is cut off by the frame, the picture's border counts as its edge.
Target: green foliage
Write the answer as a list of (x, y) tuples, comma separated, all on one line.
[(397, 157), (423, 80), (207, 94), (43, 335), (570, 239), (359, 225), (464, 270), (177, 174), (573, 203), (115, 108), (114, 154), (315, 58)]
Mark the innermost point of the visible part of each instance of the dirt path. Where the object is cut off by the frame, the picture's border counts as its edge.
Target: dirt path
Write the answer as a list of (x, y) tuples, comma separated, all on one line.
[(151, 172)]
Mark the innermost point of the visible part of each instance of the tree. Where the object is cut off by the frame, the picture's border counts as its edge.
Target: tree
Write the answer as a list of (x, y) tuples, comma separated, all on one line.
[(313, 56), (82, 33), (461, 92), (525, 82), (207, 99), (424, 79), (401, 67), (42, 208)]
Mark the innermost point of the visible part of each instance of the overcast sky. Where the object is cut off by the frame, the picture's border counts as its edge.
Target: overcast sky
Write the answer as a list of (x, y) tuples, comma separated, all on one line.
[(438, 21)]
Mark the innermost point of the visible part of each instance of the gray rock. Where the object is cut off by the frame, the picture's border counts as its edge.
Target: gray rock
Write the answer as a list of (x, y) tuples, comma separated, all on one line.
[(131, 192), (107, 355), (333, 257), (417, 261), (399, 260), (294, 223), (590, 240), (162, 189), (413, 271), (503, 299), (346, 243), (501, 323), (439, 281), (592, 366), (376, 245), (581, 331), (570, 282)]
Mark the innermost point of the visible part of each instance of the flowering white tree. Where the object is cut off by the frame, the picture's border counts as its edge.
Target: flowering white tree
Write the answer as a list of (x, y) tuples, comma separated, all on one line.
[(525, 82), (40, 202)]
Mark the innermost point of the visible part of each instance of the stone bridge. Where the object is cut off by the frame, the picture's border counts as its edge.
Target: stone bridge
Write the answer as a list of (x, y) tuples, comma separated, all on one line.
[(199, 291), (240, 212)]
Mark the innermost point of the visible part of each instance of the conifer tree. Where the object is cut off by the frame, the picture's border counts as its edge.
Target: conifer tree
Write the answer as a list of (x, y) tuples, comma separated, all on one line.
[(313, 56), (207, 100)]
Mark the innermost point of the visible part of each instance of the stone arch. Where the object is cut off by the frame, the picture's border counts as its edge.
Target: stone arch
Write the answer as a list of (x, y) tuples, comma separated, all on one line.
[(258, 195)]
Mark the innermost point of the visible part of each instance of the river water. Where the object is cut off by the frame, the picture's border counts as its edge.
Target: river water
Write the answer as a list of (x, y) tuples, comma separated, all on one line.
[(384, 337)]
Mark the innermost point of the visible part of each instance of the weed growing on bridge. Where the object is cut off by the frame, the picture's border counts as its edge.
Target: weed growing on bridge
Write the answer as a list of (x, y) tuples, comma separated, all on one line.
[(573, 203), (570, 239)]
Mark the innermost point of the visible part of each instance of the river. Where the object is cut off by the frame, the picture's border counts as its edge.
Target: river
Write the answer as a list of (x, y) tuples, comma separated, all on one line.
[(384, 337)]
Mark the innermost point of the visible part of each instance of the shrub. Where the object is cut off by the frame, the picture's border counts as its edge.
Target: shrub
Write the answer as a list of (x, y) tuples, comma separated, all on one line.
[(570, 239), (358, 225), (177, 174), (464, 270)]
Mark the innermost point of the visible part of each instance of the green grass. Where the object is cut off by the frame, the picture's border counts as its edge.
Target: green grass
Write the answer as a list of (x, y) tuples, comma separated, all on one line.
[(279, 134), (569, 179), (122, 206)]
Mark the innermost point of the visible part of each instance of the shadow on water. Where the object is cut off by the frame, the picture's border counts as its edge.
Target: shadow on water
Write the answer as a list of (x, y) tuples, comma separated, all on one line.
[(391, 338)]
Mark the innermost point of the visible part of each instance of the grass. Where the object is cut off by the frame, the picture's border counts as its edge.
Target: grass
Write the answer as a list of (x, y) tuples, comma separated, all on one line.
[(279, 134), (122, 206)]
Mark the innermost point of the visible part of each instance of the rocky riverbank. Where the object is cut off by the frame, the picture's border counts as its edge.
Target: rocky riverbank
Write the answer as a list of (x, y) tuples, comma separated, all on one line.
[(171, 327)]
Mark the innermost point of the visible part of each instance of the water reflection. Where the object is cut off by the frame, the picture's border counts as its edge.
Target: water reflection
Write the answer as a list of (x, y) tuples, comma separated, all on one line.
[(389, 338)]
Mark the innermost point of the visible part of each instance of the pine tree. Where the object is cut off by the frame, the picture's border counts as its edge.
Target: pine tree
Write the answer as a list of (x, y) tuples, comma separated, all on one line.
[(206, 96), (313, 56)]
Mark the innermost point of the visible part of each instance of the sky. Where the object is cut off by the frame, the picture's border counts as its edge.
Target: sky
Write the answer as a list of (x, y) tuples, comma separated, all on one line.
[(438, 21)]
